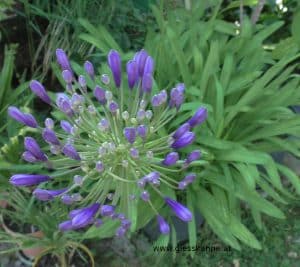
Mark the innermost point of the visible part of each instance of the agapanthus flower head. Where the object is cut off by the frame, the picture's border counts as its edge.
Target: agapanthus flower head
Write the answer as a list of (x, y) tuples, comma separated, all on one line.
[(110, 144)]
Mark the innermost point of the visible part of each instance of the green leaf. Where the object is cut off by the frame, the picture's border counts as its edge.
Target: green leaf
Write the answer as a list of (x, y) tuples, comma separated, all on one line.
[(192, 224), (242, 233)]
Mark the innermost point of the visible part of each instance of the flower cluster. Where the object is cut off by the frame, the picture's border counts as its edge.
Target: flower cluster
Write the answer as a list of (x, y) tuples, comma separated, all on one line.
[(112, 143)]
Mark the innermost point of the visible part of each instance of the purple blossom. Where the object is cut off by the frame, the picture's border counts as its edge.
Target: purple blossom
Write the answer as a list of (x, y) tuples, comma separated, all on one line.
[(82, 81), (147, 83), (199, 117), (29, 157), (32, 146), (28, 179), (85, 216), (49, 123), (145, 196), (132, 73), (67, 76), (70, 152), (66, 226), (184, 140), (64, 104), (180, 211), (66, 126), (24, 118), (89, 69), (130, 134), (38, 89), (114, 62), (142, 130), (194, 155), (113, 107), (171, 159), (141, 57), (62, 60), (99, 93), (107, 210), (164, 227), (45, 195), (50, 137), (181, 130)]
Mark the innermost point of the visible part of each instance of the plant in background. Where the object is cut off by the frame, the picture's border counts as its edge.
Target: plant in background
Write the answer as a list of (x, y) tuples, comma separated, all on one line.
[(248, 87), (114, 156), (30, 226)]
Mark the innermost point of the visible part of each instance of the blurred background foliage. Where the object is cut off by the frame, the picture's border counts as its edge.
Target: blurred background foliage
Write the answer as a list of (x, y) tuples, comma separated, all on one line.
[(241, 62)]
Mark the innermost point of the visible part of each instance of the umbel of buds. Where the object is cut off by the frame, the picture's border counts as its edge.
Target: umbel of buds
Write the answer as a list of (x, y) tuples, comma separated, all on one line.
[(109, 147)]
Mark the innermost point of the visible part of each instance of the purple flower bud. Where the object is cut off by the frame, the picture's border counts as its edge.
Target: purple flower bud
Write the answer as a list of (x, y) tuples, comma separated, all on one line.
[(125, 223), (147, 83), (181, 130), (24, 118), (67, 200), (113, 107), (199, 117), (184, 140), (114, 62), (62, 60), (107, 210), (189, 178), (134, 153), (77, 100), (45, 195), (132, 73), (180, 211), (141, 182), (82, 81), (99, 166), (28, 179), (66, 226), (89, 69), (141, 57), (50, 137), (105, 79), (66, 126), (182, 185), (64, 104), (142, 130), (85, 216), (164, 227), (104, 124), (177, 96), (29, 157), (99, 93), (163, 96), (194, 155), (32, 146), (38, 89), (121, 231), (130, 134), (49, 123), (152, 176), (70, 152), (180, 87), (155, 101), (145, 196), (141, 115), (171, 159), (149, 66), (67, 76)]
